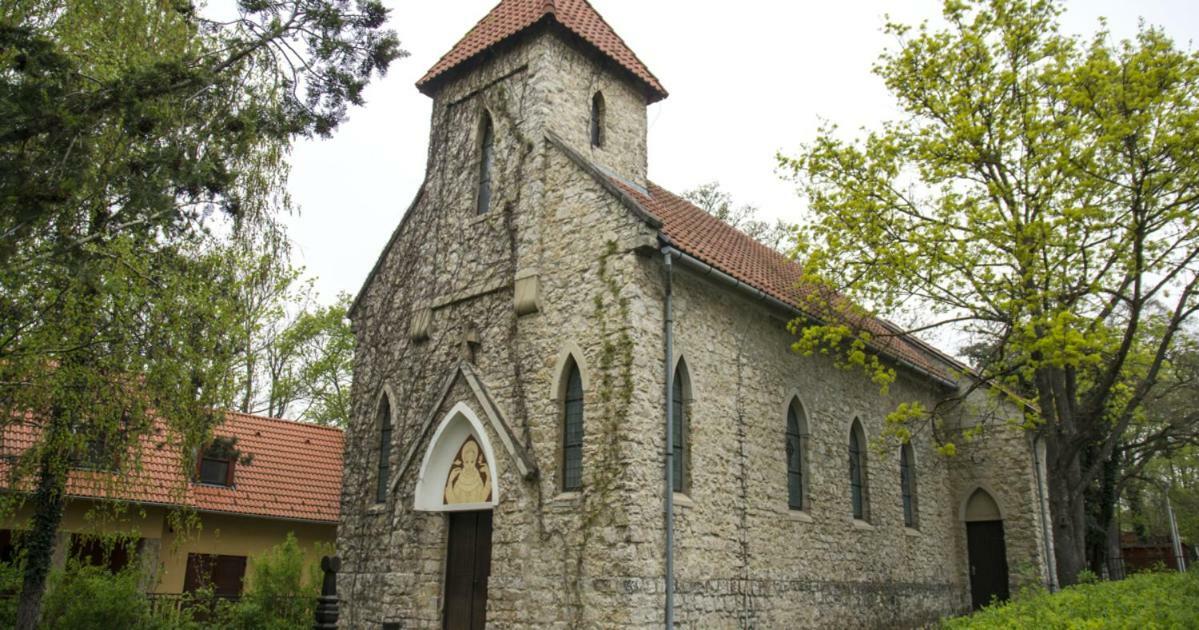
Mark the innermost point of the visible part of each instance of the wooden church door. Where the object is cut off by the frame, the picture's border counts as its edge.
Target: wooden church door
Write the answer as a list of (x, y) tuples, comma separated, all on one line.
[(988, 562), (468, 565)]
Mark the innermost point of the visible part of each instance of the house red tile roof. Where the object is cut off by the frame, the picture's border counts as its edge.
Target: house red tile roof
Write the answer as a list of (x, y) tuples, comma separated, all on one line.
[(294, 473), (512, 17), (708, 239)]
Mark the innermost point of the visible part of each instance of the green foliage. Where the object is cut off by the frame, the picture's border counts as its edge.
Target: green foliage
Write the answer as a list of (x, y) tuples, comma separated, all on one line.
[(317, 352), (1040, 193), (10, 585), (87, 598), (1147, 600), (719, 203), (282, 591), (142, 155)]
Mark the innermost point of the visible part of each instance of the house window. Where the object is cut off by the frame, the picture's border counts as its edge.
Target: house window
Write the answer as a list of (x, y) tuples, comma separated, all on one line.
[(8, 546), (98, 552), (486, 160), (597, 120), (572, 430), (384, 473), (103, 447), (857, 472), (216, 468), (224, 574), (907, 483), (679, 428), (797, 445)]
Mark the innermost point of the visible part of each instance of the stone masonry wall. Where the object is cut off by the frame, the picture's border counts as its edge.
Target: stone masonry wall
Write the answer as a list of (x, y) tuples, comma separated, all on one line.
[(744, 559)]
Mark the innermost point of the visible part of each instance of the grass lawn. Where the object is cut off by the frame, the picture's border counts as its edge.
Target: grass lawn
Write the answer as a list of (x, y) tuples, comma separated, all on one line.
[(1147, 601)]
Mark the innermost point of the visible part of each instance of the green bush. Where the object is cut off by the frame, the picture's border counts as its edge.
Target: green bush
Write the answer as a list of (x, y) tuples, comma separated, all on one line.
[(87, 597), (10, 585), (1145, 601), (280, 596)]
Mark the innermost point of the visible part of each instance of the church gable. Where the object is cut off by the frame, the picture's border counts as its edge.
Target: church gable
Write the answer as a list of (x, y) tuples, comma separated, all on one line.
[(463, 412), (511, 18)]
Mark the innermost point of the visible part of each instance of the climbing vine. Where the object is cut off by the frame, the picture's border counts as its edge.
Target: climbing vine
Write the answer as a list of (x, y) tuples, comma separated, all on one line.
[(614, 395)]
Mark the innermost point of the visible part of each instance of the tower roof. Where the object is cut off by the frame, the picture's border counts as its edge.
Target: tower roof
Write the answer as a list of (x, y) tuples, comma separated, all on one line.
[(512, 17)]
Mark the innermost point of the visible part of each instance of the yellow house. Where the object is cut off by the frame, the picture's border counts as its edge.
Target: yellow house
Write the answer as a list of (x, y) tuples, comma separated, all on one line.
[(260, 479)]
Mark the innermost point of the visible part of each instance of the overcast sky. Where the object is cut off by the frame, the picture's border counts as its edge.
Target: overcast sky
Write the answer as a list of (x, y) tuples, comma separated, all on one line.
[(746, 80)]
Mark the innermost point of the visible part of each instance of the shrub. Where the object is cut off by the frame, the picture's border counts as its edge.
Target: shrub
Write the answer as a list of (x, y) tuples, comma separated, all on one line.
[(86, 597), (10, 585), (1146, 600), (280, 595)]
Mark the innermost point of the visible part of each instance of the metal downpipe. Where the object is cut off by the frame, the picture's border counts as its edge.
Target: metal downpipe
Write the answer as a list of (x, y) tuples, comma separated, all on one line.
[(669, 459)]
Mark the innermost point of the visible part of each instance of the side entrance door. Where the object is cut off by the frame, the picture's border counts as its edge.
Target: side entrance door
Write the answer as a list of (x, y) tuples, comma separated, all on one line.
[(988, 562), (468, 565)]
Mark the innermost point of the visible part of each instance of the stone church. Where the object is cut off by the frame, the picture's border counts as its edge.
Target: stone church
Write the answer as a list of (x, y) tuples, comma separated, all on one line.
[(575, 403)]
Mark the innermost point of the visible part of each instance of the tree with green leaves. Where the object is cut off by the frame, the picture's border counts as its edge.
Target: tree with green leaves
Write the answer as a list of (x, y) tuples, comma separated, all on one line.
[(1040, 195), (319, 351), (716, 201), (142, 146), (295, 357)]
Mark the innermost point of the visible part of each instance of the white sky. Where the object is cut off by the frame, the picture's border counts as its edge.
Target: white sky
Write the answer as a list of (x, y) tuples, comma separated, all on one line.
[(746, 79)]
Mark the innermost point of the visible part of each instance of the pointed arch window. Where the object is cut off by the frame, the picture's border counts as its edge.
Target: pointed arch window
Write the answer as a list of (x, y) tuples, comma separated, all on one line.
[(384, 470), (572, 430), (597, 120), (857, 472), (907, 483), (679, 428), (797, 457), (486, 162)]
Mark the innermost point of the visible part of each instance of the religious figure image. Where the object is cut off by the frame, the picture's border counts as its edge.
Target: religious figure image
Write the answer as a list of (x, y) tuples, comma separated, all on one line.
[(468, 481)]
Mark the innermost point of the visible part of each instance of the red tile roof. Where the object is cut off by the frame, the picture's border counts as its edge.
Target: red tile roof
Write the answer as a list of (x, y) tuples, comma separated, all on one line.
[(708, 239), (511, 17), (295, 471)]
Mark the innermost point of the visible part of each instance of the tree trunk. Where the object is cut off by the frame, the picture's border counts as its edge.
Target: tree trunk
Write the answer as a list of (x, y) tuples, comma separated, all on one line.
[(48, 504), (1101, 500), (1115, 554), (1068, 511)]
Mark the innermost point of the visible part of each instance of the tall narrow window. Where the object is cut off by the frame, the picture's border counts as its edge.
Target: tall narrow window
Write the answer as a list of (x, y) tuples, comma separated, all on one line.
[(384, 450), (678, 423), (486, 158), (572, 431), (907, 483), (597, 120), (797, 443), (857, 471)]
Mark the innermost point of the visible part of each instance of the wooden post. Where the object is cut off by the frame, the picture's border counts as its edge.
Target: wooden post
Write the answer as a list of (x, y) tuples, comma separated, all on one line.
[(326, 604)]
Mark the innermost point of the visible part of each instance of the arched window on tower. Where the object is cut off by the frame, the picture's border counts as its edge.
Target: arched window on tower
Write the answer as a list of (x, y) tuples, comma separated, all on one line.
[(797, 457), (486, 161), (679, 410), (384, 464), (907, 484), (597, 120), (857, 472), (572, 430)]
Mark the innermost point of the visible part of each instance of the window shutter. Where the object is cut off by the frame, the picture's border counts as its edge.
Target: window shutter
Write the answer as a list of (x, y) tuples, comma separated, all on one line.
[(229, 471)]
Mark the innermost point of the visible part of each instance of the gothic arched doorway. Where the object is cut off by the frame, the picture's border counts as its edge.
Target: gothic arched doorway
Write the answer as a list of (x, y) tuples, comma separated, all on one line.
[(986, 549), (458, 477)]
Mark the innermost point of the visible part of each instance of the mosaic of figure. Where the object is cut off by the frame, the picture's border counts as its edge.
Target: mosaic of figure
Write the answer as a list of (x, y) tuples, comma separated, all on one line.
[(468, 481)]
